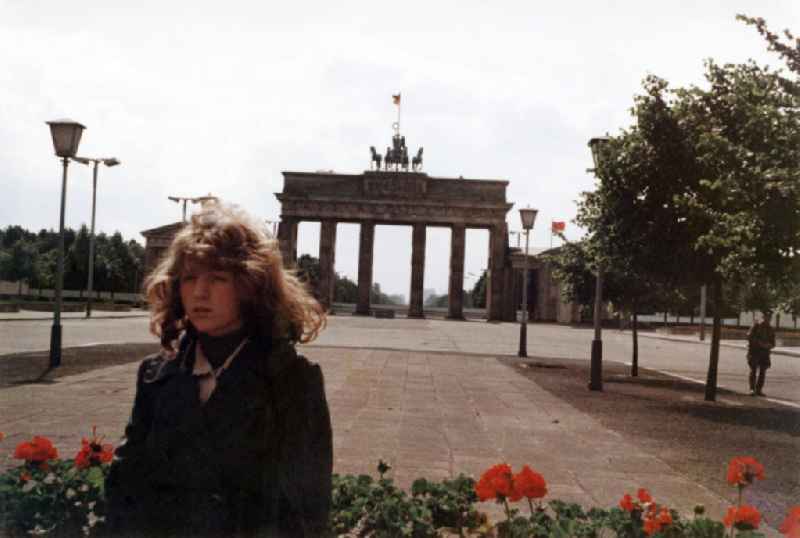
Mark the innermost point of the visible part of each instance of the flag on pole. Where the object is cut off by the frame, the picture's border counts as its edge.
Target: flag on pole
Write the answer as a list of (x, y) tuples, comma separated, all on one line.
[(396, 99), (557, 226)]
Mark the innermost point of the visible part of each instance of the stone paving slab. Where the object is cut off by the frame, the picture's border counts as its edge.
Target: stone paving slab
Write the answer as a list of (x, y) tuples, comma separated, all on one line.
[(428, 414)]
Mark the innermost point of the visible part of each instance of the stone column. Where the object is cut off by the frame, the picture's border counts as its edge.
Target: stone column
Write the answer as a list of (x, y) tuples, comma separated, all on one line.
[(494, 279), (287, 239), (455, 291), (417, 271), (365, 250), (327, 255)]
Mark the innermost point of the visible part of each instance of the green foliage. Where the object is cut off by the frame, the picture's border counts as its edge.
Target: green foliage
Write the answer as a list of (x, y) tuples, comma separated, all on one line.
[(478, 292), (704, 187), (345, 290), (32, 258), (61, 500), (450, 503)]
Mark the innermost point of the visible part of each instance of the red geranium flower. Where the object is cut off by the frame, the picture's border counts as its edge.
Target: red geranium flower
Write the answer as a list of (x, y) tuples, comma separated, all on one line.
[(24, 477), (743, 470), (38, 451), (651, 527), (791, 525), (497, 483), (644, 496), (93, 452), (528, 483), (656, 520), (743, 517), (626, 503), (665, 518)]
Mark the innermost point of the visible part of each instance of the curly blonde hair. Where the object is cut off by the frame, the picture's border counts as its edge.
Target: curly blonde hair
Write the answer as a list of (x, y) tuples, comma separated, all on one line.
[(274, 302)]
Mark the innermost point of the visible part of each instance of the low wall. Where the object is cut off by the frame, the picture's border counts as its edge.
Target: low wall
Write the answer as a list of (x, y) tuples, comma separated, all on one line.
[(106, 307), (9, 307), (50, 307)]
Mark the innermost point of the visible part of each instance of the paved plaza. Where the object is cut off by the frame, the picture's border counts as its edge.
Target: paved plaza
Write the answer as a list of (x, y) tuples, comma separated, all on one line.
[(432, 397)]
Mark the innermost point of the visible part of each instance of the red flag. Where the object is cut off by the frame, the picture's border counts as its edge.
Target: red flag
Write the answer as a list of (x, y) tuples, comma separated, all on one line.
[(396, 99), (558, 226)]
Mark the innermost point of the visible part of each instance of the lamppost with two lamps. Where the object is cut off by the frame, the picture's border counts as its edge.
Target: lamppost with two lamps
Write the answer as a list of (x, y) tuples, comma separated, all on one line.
[(110, 161), (66, 139), (597, 145), (528, 217)]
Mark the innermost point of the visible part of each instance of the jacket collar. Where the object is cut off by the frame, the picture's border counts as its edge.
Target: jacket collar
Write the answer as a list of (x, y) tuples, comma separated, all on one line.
[(280, 353)]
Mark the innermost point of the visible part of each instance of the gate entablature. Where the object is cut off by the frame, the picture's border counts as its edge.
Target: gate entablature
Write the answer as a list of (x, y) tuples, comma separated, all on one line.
[(394, 198)]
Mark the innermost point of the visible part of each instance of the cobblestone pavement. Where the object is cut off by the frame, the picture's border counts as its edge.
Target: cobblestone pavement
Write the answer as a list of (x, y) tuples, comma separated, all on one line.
[(429, 414), (677, 356), (446, 404)]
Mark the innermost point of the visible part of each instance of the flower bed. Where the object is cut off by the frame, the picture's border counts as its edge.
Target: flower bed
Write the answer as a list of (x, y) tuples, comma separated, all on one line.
[(49, 496)]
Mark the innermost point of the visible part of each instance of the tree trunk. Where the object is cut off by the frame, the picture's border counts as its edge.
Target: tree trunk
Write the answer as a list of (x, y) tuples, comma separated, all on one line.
[(691, 318), (738, 320), (665, 318), (635, 333), (19, 289), (713, 362)]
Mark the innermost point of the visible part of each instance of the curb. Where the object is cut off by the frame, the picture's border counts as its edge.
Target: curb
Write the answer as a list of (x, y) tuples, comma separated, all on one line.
[(722, 344), (63, 318)]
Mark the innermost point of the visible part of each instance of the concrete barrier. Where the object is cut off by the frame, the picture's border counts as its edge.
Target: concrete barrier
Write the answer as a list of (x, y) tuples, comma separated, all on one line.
[(50, 307)]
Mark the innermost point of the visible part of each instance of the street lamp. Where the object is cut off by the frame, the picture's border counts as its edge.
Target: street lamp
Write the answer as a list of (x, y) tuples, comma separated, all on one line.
[(528, 217), (110, 161), (597, 145), (202, 200), (66, 138)]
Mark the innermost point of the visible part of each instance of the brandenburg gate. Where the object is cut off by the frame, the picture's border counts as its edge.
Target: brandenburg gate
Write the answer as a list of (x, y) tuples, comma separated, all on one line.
[(396, 196)]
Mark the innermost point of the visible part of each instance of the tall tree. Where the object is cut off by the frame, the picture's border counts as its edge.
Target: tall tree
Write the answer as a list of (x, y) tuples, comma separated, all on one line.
[(478, 293), (18, 263), (709, 177)]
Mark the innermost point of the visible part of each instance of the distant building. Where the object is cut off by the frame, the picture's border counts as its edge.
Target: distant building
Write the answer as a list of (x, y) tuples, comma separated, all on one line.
[(157, 240)]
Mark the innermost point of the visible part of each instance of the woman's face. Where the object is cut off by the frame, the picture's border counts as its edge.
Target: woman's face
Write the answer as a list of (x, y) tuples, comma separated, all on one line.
[(210, 300)]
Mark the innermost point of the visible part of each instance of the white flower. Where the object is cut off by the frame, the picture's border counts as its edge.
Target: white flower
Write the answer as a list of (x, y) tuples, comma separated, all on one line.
[(93, 519), (50, 478), (29, 485), (91, 505), (71, 493), (84, 487)]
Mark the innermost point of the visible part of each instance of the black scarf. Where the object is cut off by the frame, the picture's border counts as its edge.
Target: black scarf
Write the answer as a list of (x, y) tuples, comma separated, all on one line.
[(219, 348)]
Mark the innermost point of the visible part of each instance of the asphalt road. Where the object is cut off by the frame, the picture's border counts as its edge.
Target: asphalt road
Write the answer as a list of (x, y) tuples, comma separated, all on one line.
[(684, 359)]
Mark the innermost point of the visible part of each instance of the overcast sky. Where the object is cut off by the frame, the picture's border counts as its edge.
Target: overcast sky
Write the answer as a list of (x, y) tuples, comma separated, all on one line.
[(196, 97)]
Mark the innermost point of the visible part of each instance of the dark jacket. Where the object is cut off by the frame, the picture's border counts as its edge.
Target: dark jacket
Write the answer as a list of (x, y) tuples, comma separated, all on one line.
[(255, 460), (760, 340)]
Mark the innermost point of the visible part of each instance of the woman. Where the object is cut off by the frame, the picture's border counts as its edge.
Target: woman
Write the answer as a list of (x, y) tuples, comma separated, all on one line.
[(230, 432)]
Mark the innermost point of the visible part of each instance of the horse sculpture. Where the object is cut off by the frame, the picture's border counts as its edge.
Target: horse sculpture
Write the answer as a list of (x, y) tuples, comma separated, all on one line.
[(416, 162), (404, 159), (376, 158), (388, 158)]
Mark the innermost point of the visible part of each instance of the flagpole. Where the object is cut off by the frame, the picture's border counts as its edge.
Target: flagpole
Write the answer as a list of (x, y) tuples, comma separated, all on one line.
[(399, 107)]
